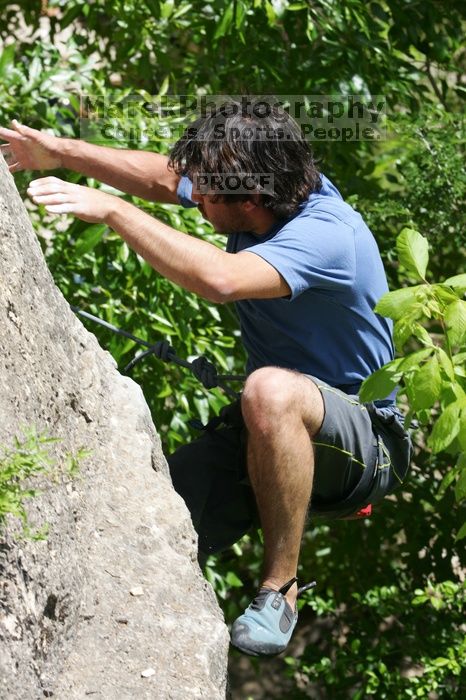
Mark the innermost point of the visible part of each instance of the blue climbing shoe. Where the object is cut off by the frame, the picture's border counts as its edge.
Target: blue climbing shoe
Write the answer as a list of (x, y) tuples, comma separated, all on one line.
[(266, 626)]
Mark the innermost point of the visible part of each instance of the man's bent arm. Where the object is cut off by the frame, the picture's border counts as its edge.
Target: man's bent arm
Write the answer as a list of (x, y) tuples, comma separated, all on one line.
[(196, 265)]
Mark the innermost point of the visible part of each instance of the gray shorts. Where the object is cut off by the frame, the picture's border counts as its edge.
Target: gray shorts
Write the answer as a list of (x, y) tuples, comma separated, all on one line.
[(362, 453)]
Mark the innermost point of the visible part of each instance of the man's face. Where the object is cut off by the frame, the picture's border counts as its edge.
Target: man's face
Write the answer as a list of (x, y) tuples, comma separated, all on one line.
[(224, 217)]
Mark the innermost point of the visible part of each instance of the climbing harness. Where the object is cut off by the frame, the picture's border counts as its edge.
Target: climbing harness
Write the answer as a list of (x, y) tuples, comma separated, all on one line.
[(203, 370)]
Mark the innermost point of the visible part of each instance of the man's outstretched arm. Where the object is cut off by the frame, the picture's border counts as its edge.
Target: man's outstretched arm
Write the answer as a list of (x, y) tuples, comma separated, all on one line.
[(140, 173), (196, 265)]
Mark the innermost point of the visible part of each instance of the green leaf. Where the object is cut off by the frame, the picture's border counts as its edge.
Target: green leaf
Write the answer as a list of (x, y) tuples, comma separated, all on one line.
[(398, 303), (225, 22), (413, 252), (89, 239), (233, 580), (447, 480), (70, 15), (424, 385), (446, 364), (457, 281), (441, 661), (457, 389), (459, 359), (240, 15), (455, 319), (7, 60), (182, 11), (461, 533), (462, 430), (167, 9), (164, 87), (381, 383), (35, 70), (446, 428), (270, 12), (414, 359), (460, 487), (421, 334), (444, 294), (437, 604), (402, 330)]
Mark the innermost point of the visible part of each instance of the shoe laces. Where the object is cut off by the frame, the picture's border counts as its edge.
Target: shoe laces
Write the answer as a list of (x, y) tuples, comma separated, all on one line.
[(301, 589), (257, 603)]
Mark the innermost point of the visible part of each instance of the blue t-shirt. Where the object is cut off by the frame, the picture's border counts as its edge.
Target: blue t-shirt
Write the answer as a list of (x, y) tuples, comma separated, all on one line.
[(327, 326)]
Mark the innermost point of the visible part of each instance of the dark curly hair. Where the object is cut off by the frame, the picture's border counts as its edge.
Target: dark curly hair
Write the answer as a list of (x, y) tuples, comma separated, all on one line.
[(259, 138)]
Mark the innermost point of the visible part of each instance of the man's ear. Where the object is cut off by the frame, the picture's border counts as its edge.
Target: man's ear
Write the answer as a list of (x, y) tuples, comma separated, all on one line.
[(250, 204)]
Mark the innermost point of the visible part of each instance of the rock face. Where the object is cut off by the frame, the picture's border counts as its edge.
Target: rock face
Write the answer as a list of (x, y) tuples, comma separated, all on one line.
[(70, 622)]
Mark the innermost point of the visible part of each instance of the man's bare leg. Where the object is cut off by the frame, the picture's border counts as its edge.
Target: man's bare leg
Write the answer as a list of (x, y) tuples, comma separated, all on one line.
[(282, 411)]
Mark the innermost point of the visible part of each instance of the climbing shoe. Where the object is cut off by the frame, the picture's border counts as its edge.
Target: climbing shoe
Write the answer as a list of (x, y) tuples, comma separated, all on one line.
[(266, 626)]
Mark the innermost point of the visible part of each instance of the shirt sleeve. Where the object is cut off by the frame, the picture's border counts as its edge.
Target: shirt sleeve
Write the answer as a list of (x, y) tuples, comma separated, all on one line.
[(184, 192), (316, 253)]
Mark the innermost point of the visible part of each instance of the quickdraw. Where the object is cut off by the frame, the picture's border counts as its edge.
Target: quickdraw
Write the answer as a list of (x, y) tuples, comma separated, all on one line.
[(204, 370)]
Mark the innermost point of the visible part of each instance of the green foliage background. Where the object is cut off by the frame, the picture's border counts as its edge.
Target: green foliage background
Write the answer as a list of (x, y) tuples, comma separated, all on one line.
[(390, 599)]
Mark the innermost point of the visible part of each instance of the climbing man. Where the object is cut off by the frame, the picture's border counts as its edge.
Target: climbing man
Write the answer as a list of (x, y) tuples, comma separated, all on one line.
[(305, 274)]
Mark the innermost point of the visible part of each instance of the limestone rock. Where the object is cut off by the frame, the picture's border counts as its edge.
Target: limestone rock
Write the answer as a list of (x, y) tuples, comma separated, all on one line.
[(69, 626)]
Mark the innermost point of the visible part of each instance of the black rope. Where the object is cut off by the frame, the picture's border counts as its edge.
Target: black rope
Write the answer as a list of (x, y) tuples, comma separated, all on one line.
[(203, 370)]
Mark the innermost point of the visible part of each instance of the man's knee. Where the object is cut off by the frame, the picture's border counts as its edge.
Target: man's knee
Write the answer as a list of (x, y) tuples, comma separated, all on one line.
[(266, 394), (273, 395)]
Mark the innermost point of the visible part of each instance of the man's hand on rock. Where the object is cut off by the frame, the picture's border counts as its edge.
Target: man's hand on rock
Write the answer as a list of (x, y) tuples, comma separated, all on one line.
[(30, 149), (60, 197)]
